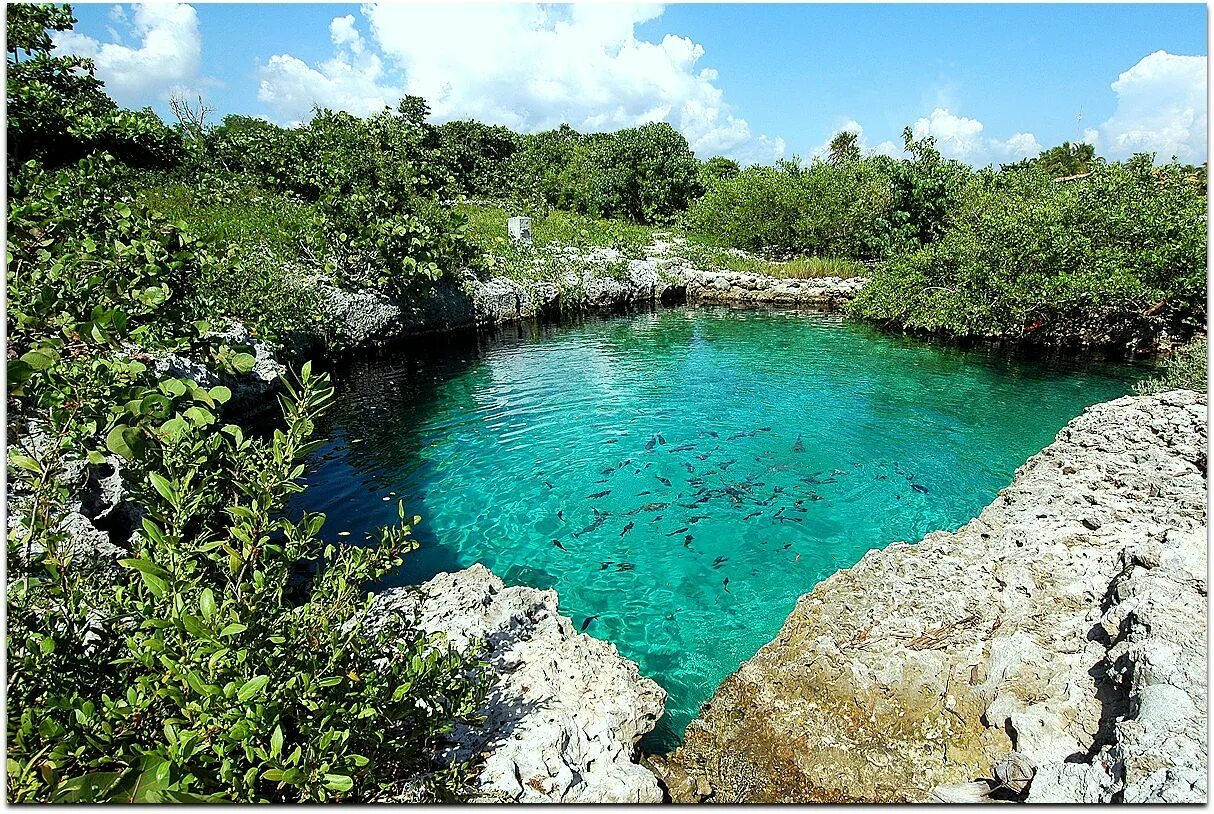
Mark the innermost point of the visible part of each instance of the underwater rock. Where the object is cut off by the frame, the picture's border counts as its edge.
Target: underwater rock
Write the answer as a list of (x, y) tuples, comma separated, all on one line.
[(565, 711), (1027, 630)]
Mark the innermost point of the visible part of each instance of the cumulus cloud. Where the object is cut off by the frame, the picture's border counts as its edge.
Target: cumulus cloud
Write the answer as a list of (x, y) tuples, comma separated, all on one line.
[(527, 66), (964, 139), (1161, 108), (166, 59), (354, 79)]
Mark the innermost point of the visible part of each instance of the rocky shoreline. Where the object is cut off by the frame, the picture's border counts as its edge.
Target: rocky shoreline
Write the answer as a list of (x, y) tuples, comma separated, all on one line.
[(1065, 625)]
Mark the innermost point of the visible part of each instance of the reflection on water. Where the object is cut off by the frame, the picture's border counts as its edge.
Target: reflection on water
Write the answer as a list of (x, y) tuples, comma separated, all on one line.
[(681, 477)]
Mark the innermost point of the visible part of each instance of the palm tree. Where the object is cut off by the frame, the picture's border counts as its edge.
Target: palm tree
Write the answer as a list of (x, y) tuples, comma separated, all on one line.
[(843, 147)]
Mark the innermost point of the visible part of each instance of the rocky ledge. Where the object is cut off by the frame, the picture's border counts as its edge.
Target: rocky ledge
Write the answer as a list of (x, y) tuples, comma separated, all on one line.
[(1066, 625), (565, 711), (728, 287)]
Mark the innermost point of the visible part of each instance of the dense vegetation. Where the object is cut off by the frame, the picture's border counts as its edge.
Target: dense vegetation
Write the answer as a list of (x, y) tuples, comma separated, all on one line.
[(226, 655), (178, 669)]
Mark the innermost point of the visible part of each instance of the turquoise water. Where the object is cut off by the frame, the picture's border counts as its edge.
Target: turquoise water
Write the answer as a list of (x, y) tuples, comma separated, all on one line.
[(681, 477)]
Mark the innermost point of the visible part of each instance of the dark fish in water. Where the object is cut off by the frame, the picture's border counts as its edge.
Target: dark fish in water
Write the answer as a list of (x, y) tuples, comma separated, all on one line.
[(646, 492), (612, 441), (598, 521), (777, 514), (663, 480), (919, 488), (653, 440), (736, 436), (726, 584), (627, 528), (752, 514), (703, 457), (698, 518), (709, 432), (557, 543), (687, 541), (597, 495), (603, 566), (683, 448), (661, 440), (549, 485), (597, 482), (719, 561), (625, 566), (691, 470), (608, 470), (656, 519), (786, 546), (677, 531), (653, 507), (560, 515), (726, 464), (799, 446), (589, 619), (763, 429)]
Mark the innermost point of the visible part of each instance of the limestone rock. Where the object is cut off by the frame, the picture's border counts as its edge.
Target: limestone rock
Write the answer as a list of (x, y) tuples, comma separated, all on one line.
[(737, 287), (565, 712), (1028, 630)]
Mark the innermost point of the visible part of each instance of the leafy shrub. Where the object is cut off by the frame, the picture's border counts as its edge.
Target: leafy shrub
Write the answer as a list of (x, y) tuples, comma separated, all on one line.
[(1187, 369), (230, 660), (476, 155), (1025, 256)]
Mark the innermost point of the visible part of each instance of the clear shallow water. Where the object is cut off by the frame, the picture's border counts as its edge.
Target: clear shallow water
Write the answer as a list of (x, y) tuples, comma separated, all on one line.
[(681, 477)]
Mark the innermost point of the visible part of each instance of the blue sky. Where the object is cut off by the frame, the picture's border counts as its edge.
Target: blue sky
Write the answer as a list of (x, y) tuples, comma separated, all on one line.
[(991, 82)]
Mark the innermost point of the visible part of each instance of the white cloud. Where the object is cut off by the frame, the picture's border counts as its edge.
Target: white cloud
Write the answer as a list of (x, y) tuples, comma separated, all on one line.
[(963, 138), (1161, 108), (353, 80), (165, 61), (527, 66)]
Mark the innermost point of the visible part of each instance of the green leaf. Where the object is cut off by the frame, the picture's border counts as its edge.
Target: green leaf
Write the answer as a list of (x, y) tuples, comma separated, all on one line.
[(25, 462), (221, 394), (96, 457), (166, 488), (251, 688), (206, 603), (233, 629), (276, 742), (38, 360), (243, 362), (125, 441), (339, 782)]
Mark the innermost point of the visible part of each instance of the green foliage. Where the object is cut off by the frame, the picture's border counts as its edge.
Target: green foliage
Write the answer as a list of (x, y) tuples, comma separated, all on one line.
[(717, 168), (57, 110), (230, 659), (844, 147), (1121, 250), (1187, 369), (1062, 161), (646, 174), (476, 155)]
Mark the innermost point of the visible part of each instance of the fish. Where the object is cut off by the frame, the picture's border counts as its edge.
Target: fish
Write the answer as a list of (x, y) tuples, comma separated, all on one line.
[(627, 528), (709, 433), (703, 457), (687, 541), (786, 546), (797, 558), (651, 443), (691, 470), (646, 492), (588, 620), (752, 514), (726, 464), (919, 488), (663, 480), (560, 515), (598, 495), (612, 441), (603, 566), (719, 561), (661, 440), (598, 521), (763, 429), (736, 437), (608, 470), (549, 485), (557, 543), (698, 518), (677, 531), (799, 446), (625, 566), (683, 448), (726, 584), (658, 518)]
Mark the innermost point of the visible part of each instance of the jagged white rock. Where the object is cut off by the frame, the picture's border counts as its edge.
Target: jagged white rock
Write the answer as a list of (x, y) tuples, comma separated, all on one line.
[(1067, 622), (565, 711)]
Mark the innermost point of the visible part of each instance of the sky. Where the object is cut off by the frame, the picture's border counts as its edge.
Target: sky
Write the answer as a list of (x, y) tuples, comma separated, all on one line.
[(755, 82)]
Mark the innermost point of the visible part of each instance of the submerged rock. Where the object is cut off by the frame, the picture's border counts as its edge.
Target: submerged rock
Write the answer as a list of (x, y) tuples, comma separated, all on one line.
[(1079, 645), (565, 711)]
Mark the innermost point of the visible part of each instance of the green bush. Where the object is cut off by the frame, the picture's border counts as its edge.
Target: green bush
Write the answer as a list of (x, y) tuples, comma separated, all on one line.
[(1121, 250), (1187, 369)]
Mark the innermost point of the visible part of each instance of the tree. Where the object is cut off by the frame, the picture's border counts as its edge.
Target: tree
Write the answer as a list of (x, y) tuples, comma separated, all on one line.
[(843, 147)]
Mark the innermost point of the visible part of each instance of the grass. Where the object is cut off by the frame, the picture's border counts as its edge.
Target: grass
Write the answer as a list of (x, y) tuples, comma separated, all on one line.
[(487, 229), (704, 253)]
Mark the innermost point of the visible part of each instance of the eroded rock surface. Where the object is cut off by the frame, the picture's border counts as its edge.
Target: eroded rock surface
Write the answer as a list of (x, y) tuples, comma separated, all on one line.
[(739, 287), (1067, 623), (565, 711)]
